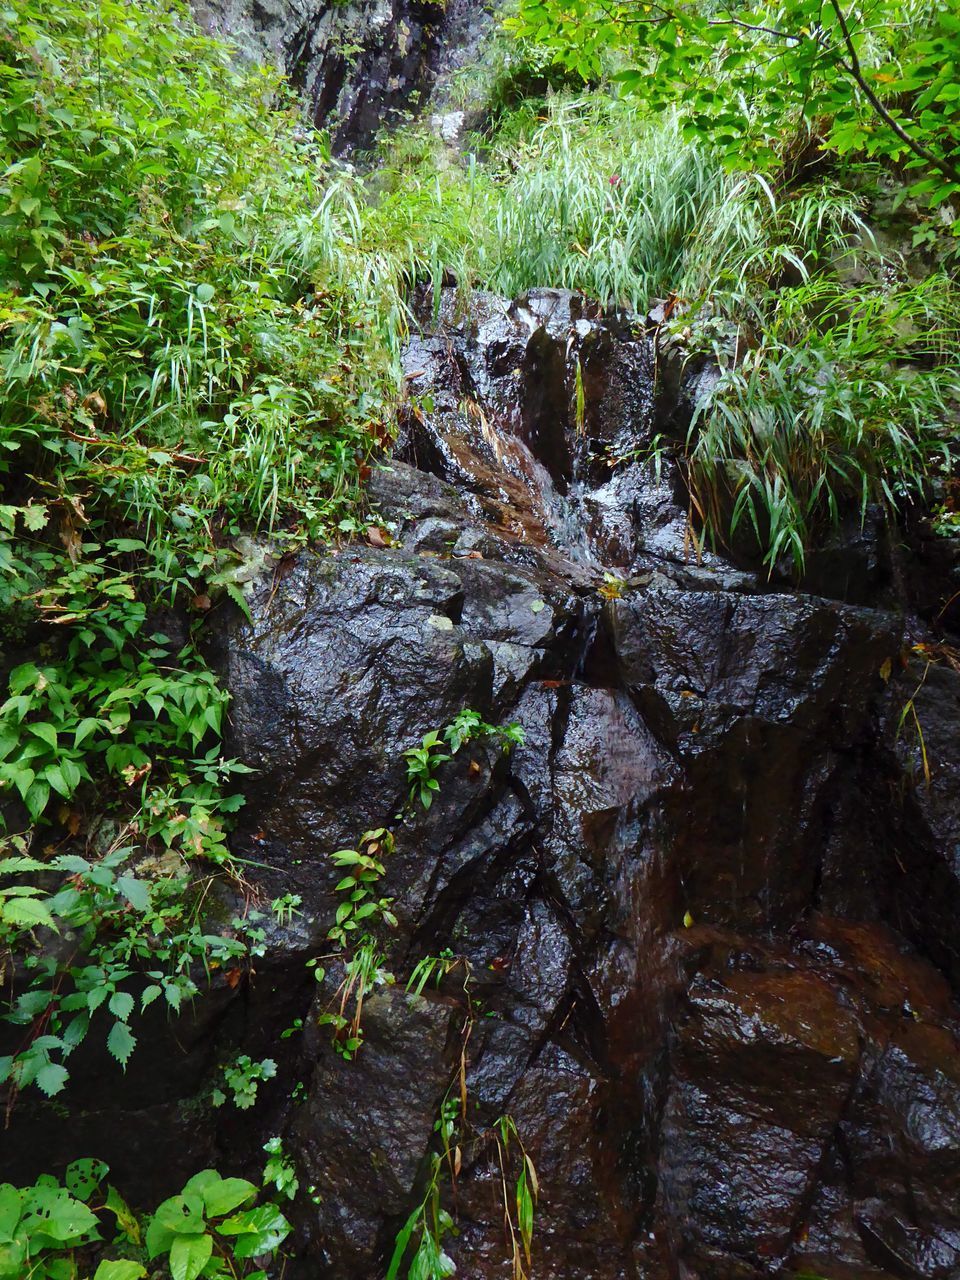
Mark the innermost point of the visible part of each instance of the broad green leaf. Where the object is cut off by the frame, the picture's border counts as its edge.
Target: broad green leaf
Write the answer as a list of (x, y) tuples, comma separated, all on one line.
[(189, 1254), (259, 1230), (84, 1176), (220, 1195), (120, 1270)]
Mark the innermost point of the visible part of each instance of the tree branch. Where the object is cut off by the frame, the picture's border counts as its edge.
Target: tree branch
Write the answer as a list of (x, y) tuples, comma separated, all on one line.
[(853, 69)]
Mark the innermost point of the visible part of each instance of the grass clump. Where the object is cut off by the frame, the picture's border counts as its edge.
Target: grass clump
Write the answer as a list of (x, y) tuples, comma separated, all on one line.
[(817, 420)]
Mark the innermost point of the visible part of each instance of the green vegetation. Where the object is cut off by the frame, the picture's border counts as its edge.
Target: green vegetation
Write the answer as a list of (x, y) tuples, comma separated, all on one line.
[(441, 745), (765, 84), (840, 386), (195, 346), (213, 1228), (201, 314)]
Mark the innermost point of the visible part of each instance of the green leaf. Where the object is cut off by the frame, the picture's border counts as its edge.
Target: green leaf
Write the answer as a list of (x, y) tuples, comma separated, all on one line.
[(189, 1254), (123, 1269), (121, 1042), (183, 1214), (127, 1222), (11, 1199), (205, 292), (136, 892), (259, 1230), (51, 1214), (36, 798), (45, 732), (52, 1078), (220, 1195), (84, 1176), (26, 913), (121, 1005)]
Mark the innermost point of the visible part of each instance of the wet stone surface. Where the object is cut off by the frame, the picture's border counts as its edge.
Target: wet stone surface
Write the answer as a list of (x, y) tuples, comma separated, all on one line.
[(709, 906)]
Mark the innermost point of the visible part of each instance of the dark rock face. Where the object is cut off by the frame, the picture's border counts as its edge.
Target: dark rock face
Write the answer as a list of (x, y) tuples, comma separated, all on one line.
[(708, 907), (696, 902), (359, 64)]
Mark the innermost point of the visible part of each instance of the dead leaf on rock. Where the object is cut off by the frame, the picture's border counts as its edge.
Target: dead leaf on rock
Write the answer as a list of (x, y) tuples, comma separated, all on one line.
[(376, 536)]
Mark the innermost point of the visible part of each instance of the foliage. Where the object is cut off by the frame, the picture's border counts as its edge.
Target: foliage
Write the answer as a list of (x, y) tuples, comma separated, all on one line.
[(837, 387), (363, 869), (279, 1171), (212, 1229), (875, 80), (440, 745), (818, 418), (243, 1077), (426, 1228), (364, 968), (137, 939), (428, 1224), (194, 343)]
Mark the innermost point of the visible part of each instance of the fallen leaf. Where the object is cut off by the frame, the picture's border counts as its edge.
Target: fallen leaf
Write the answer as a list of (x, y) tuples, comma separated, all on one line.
[(201, 602)]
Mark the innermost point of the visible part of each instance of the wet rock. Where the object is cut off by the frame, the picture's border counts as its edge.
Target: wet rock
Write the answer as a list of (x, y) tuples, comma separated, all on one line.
[(757, 696), (700, 926), (741, 1152), (360, 1137), (359, 65)]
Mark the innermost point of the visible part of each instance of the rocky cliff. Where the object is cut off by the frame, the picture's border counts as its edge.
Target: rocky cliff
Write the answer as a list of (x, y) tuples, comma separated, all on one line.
[(708, 908)]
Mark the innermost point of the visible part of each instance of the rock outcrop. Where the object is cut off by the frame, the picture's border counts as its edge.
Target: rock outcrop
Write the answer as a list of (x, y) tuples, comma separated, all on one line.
[(359, 65), (707, 909)]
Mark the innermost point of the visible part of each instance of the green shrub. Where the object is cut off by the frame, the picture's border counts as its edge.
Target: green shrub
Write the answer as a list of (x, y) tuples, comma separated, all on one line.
[(195, 343)]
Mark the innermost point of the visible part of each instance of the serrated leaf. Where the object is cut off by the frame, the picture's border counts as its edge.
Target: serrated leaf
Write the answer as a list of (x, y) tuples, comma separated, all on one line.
[(52, 1078), (136, 891), (26, 913), (121, 1042), (121, 1005)]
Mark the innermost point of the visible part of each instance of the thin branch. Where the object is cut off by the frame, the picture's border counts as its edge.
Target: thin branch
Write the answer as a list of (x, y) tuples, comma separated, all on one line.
[(854, 70)]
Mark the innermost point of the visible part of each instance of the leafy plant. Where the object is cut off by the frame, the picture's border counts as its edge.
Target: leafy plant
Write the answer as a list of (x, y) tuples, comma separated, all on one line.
[(279, 1171), (243, 1077), (138, 939), (212, 1228), (439, 746), (286, 907), (819, 419), (364, 869), (850, 78), (364, 969)]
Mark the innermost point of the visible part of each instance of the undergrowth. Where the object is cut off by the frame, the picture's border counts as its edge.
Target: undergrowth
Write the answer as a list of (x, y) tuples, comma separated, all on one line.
[(838, 386)]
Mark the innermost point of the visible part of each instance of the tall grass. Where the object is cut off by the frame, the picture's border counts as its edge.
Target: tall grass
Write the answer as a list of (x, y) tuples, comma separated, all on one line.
[(850, 397), (838, 395), (594, 195)]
